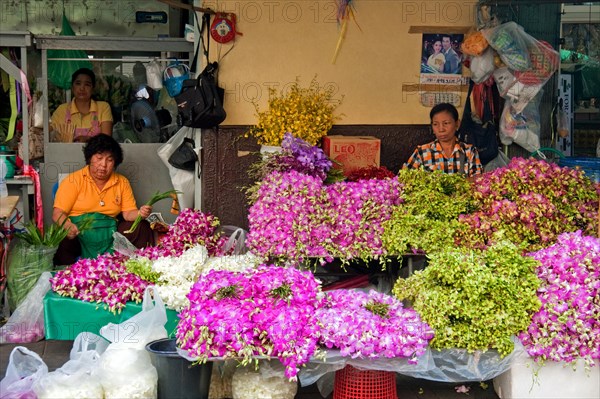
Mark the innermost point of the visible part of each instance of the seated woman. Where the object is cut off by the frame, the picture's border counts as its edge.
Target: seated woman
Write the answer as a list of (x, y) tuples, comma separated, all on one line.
[(83, 117), (98, 193), (445, 153)]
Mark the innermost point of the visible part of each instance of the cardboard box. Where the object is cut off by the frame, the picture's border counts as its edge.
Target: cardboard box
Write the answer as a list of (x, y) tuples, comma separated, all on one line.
[(352, 152)]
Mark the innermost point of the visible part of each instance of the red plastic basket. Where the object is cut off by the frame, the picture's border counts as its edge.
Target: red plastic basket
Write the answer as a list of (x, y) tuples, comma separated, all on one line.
[(351, 383)]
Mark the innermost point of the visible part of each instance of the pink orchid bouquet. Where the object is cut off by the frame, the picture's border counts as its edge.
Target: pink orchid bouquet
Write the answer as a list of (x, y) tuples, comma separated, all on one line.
[(268, 311), (106, 279), (567, 327), (101, 280), (532, 202), (296, 216), (371, 325)]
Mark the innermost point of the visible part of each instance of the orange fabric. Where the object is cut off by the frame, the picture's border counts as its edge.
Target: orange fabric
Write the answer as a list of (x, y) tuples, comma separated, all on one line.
[(77, 194)]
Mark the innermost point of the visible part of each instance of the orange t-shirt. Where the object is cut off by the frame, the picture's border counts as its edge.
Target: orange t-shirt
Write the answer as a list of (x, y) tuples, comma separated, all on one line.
[(77, 194)]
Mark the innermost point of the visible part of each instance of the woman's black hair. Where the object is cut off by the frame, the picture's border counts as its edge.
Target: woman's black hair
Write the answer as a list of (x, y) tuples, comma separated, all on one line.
[(84, 71), (444, 107), (103, 143)]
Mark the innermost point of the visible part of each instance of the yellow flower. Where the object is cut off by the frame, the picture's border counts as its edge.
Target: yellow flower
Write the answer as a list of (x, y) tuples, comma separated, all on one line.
[(307, 113)]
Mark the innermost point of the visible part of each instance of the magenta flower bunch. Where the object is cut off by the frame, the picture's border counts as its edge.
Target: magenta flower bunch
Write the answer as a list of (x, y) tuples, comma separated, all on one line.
[(106, 279), (567, 327), (269, 311), (191, 228), (296, 216), (371, 325), (532, 202), (100, 280)]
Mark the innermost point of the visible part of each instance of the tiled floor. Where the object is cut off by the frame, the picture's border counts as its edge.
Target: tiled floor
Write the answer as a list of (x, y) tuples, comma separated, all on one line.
[(56, 353)]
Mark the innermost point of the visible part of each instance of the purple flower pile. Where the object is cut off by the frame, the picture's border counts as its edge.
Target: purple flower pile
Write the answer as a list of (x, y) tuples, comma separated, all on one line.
[(296, 216), (105, 279), (567, 327), (532, 202), (268, 311), (369, 325)]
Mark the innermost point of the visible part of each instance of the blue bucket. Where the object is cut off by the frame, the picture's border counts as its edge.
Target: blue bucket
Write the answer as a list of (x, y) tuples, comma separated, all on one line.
[(590, 166)]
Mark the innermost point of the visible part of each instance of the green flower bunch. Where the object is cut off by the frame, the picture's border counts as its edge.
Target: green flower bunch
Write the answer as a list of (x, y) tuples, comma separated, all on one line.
[(428, 215), (476, 300)]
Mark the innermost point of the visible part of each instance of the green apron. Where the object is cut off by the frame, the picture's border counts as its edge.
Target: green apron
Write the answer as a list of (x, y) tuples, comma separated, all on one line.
[(99, 238)]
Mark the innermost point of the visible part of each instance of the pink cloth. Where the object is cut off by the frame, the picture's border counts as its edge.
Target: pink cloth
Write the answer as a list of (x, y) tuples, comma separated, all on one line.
[(28, 170)]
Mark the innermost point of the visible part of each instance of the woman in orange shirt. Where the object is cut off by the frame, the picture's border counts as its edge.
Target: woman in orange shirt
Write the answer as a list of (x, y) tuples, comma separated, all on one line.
[(96, 192)]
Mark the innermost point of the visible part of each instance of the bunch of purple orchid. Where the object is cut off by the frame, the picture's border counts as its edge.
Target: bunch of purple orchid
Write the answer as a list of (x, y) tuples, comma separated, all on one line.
[(296, 216), (567, 327), (371, 325), (532, 202), (268, 311), (105, 279)]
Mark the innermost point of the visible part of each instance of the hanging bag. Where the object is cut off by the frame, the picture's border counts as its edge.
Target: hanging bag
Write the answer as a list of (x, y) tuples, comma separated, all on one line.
[(184, 157), (484, 135), (200, 102)]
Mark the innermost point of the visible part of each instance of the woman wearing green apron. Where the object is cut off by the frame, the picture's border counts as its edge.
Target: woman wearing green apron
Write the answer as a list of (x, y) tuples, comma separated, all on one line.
[(97, 195)]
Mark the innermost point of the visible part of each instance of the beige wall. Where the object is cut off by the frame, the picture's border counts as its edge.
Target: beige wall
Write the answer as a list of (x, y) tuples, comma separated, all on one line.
[(283, 40)]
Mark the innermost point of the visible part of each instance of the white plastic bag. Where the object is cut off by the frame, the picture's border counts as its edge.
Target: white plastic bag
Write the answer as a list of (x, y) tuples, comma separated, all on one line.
[(482, 66), (26, 324), (154, 75), (74, 379), (122, 245), (522, 128), (127, 373), (25, 367), (146, 326), (182, 180)]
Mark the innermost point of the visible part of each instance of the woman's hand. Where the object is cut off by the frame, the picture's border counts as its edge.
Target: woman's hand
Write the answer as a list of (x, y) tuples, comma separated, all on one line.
[(145, 211), (73, 230)]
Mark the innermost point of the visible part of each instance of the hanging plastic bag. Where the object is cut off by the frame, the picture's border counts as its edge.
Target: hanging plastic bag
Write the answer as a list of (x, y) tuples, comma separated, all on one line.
[(26, 324), (522, 128), (482, 66), (474, 44), (25, 367), (154, 75), (146, 326), (510, 42), (182, 180), (74, 379), (60, 71)]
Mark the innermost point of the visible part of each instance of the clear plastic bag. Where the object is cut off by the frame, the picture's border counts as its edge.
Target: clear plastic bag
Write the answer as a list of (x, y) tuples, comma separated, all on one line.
[(26, 263), (146, 326), (25, 367), (511, 43), (236, 243), (26, 324), (122, 245), (74, 379), (522, 128)]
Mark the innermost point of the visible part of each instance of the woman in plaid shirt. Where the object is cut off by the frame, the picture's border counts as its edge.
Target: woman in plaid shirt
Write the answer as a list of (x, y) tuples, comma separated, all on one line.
[(446, 153)]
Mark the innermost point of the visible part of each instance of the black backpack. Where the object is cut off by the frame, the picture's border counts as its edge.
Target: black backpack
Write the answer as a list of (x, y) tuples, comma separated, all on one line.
[(200, 102)]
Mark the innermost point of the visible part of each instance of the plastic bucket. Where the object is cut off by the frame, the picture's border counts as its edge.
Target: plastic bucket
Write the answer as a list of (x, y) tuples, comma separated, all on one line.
[(177, 377), (9, 158), (590, 166)]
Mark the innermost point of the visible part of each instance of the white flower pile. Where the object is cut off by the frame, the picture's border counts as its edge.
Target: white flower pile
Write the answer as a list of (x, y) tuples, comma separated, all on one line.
[(178, 274), (268, 382)]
